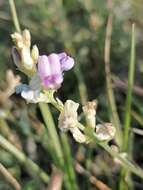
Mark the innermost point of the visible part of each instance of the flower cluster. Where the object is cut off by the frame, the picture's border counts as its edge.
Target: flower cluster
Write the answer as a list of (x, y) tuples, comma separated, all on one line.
[(45, 72), (46, 76), (51, 68), (68, 120)]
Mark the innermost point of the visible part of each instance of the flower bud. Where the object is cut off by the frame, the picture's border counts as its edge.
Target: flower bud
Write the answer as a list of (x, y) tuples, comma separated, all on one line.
[(17, 38), (90, 113), (22, 53), (26, 58), (26, 38), (105, 131), (35, 54)]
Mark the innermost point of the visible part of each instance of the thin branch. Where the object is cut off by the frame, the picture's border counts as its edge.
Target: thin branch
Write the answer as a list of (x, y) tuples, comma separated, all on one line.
[(110, 93), (9, 178), (14, 15), (117, 83), (56, 180), (138, 131), (96, 182)]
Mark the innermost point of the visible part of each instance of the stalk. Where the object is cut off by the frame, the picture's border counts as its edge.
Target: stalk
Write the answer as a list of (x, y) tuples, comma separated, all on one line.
[(48, 119), (69, 161), (14, 15), (110, 92), (127, 121), (63, 153)]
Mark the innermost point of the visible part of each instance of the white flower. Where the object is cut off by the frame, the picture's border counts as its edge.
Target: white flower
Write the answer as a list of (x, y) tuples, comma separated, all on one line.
[(34, 96), (30, 95), (68, 117), (68, 121)]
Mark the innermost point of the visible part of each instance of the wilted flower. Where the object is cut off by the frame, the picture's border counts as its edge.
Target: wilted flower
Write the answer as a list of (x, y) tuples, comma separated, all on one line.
[(68, 117), (68, 120), (51, 68), (90, 113), (105, 131)]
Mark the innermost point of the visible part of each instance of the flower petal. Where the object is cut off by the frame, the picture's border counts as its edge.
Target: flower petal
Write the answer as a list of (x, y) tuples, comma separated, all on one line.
[(66, 61), (54, 64), (44, 66), (54, 81)]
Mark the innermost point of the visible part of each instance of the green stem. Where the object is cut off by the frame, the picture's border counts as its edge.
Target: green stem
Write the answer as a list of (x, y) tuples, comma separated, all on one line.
[(31, 167), (69, 161), (48, 119), (63, 154), (127, 121), (129, 92), (14, 15), (110, 92), (124, 161)]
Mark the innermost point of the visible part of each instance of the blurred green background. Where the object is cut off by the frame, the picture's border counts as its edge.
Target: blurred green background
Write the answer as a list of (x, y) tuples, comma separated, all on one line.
[(77, 27)]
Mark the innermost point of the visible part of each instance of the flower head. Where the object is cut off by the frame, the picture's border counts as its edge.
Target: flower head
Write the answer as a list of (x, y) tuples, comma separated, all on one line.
[(51, 68)]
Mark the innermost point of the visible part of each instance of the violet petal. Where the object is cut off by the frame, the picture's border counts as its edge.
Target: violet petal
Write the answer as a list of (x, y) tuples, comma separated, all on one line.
[(54, 64), (66, 61), (43, 66)]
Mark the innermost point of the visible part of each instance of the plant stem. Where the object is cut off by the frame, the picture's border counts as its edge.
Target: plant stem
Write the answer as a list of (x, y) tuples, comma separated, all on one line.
[(129, 92), (14, 15), (127, 120), (69, 161), (9, 178), (32, 168), (63, 154), (110, 93), (48, 119), (124, 161)]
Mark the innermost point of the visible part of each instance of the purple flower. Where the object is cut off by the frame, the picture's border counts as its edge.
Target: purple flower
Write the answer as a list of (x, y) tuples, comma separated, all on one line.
[(51, 68)]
